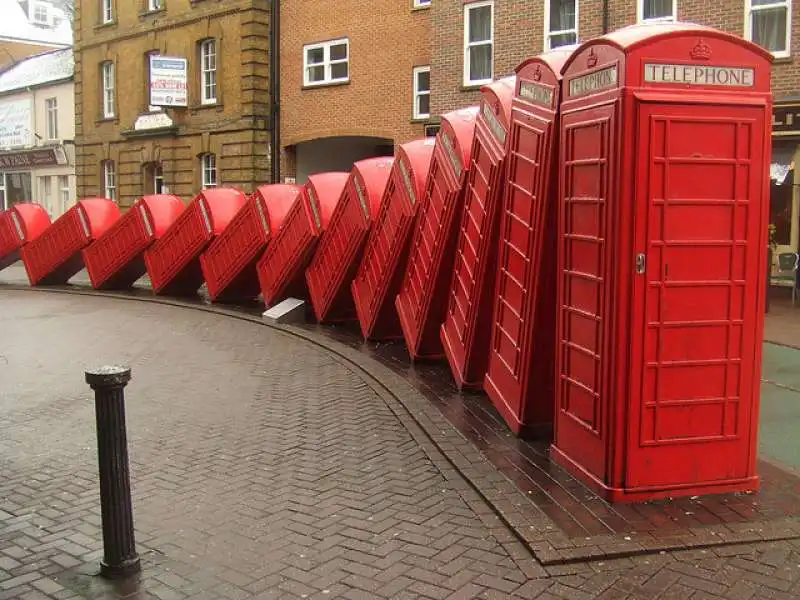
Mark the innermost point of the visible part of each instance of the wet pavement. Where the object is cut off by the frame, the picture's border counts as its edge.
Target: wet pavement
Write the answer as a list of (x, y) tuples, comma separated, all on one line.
[(270, 464)]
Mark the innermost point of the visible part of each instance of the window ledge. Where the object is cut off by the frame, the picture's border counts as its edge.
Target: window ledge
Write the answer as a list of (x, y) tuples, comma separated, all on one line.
[(106, 25), (781, 60), (107, 120), (418, 8), (474, 87), (146, 14), (211, 105), (315, 86), (421, 119)]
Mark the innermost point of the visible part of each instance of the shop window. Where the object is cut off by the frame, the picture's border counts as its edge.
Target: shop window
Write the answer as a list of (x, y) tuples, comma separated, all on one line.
[(15, 188), (63, 190), (422, 92), (328, 62), (768, 24), (478, 43), (561, 18)]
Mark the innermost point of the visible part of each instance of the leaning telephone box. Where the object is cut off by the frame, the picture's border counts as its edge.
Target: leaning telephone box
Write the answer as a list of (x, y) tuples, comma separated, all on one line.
[(116, 260), (20, 224), (467, 322), (55, 256), (665, 149), (173, 262), (422, 299), (229, 263), (519, 375), (380, 273), (340, 250), (281, 270)]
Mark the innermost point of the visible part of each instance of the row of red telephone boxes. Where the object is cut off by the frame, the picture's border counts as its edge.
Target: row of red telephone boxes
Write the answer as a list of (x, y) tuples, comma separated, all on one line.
[(516, 248)]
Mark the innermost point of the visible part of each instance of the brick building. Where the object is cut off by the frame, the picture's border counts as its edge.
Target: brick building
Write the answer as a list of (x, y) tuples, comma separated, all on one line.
[(214, 58), (354, 80)]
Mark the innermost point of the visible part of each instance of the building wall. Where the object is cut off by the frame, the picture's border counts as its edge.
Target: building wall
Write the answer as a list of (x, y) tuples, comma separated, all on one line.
[(235, 129), (388, 38), (519, 28)]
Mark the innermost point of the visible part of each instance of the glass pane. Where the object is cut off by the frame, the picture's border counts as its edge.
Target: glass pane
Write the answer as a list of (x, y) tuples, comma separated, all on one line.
[(563, 39), (19, 188), (423, 81), (315, 55), (316, 73), (562, 15), (480, 62), (339, 71), (480, 24), (769, 28), (424, 105), (339, 52), (656, 9)]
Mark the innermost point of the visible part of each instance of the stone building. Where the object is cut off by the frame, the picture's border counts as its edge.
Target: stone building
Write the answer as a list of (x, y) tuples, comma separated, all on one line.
[(37, 125), (171, 96)]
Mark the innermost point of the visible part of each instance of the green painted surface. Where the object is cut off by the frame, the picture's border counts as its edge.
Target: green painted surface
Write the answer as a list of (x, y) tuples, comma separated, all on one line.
[(779, 439)]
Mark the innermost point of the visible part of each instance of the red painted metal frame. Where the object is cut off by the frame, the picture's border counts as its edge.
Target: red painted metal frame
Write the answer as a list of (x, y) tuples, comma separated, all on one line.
[(20, 224), (339, 252), (380, 273)]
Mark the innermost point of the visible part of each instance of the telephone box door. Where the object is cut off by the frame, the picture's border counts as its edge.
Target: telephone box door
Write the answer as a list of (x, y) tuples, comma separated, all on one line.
[(530, 140), (698, 169), (583, 409)]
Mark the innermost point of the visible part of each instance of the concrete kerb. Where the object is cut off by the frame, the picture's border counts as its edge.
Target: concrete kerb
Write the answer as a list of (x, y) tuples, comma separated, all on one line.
[(461, 463)]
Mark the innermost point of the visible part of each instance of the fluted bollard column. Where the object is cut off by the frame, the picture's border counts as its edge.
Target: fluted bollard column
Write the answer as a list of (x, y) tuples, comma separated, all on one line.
[(119, 546)]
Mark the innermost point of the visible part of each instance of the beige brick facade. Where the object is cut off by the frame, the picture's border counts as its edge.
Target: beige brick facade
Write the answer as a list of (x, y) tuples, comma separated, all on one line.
[(387, 39), (234, 128)]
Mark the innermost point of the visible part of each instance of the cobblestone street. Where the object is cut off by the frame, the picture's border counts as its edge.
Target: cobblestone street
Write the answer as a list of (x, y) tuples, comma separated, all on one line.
[(264, 466)]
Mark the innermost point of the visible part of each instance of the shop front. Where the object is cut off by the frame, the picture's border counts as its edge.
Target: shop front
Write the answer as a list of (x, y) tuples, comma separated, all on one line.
[(37, 175), (785, 193)]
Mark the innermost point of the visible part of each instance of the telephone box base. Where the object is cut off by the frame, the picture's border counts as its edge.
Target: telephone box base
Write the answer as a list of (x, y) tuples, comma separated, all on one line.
[(540, 427), (630, 495), (463, 382)]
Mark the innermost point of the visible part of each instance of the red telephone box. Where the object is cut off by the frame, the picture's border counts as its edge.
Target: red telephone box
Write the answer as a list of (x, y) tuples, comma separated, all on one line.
[(422, 299), (519, 375), (116, 260), (665, 149), (281, 269), (20, 224), (467, 322), (380, 273), (173, 262), (55, 256), (340, 250), (229, 263)]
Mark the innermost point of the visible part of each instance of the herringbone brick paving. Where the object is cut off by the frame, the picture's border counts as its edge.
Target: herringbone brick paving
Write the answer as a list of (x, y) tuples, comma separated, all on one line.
[(263, 468)]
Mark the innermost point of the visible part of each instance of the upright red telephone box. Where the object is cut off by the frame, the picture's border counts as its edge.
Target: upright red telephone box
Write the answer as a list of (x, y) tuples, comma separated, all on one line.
[(20, 224), (281, 269), (422, 299), (379, 276), (665, 150), (229, 263), (467, 322), (116, 260), (340, 250), (519, 375), (173, 262)]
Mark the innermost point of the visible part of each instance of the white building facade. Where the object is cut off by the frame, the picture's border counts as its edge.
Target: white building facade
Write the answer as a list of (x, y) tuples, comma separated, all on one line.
[(37, 131)]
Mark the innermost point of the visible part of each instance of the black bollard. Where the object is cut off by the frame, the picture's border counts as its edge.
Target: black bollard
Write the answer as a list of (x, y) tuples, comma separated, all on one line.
[(119, 546)]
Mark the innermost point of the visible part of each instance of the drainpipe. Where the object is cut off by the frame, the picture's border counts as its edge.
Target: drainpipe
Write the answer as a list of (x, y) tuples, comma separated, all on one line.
[(275, 90), (605, 16)]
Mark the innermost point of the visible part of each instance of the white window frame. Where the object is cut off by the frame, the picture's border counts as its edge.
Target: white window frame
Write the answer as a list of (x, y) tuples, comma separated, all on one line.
[(417, 93), (749, 9), (3, 197), (422, 3), (670, 19), (42, 7), (107, 10), (550, 34), (326, 62), (63, 190), (110, 180), (467, 45), (51, 111), (208, 71), (109, 77), (208, 171), (154, 5)]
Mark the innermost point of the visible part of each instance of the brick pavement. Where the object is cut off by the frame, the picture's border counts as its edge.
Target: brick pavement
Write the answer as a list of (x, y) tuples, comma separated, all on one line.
[(264, 467)]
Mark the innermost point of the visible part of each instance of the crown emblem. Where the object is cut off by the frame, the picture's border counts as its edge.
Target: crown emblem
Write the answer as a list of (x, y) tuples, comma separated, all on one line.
[(537, 74), (701, 51), (591, 60)]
